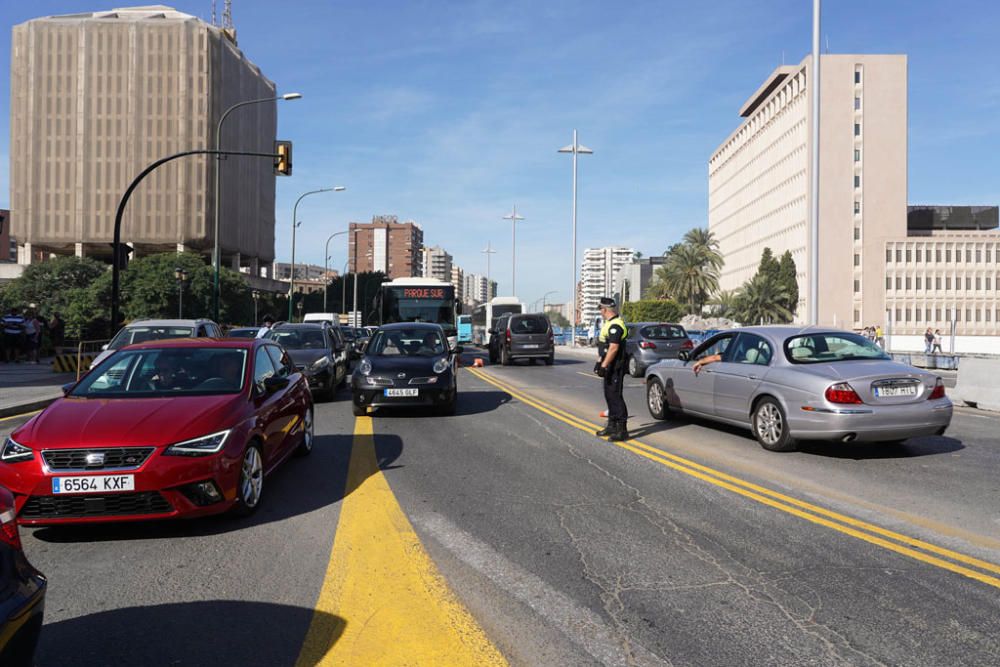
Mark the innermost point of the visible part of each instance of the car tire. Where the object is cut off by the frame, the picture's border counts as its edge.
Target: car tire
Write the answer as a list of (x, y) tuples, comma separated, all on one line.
[(633, 368), (504, 357), (656, 399), (549, 360), (250, 487), (358, 410), (770, 426), (308, 435)]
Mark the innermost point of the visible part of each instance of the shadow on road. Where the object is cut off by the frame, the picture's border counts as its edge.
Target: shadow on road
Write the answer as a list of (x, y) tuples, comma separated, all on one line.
[(652, 428), (214, 632), (862, 451), (299, 486), (469, 403)]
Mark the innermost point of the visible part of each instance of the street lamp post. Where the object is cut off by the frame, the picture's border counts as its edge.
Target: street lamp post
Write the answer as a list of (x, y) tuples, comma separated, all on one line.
[(544, 297), (256, 298), (295, 208), (514, 218), (180, 275), (217, 250), (488, 250), (326, 265), (814, 198), (576, 149), (343, 288)]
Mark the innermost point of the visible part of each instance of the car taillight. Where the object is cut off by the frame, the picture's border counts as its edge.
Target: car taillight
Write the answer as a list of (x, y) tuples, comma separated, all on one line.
[(842, 393), (688, 344), (508, 335), (646, 345), (8, 529), (938, 391)]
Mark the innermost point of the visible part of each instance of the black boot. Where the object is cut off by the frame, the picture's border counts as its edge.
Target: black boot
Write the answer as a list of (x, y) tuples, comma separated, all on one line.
[(607, 430), (620, 433)]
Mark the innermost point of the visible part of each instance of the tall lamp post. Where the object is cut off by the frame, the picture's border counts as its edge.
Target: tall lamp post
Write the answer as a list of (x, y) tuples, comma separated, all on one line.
[(217, 251), (181, 275), (544, 297), (326, 265), (256, 298), (295, 209), (576, 149), (814, 199), (514, 218), (488, 250)]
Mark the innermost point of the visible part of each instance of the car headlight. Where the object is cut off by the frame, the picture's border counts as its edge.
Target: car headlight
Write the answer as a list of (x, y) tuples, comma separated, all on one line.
[(441, 365), (203, 446), (365, 367), (14, 452), (319, 364)]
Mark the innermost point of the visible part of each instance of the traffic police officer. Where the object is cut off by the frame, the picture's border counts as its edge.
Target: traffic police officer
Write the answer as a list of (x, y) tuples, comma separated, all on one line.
[(611, 366)]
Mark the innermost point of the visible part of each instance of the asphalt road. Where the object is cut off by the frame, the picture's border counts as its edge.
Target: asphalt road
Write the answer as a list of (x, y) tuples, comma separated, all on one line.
[(691, 546)]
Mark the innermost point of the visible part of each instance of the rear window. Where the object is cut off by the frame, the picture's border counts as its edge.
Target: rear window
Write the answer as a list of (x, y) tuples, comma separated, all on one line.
[(663, 332), (144, 334), (529, 324), (822, 348)]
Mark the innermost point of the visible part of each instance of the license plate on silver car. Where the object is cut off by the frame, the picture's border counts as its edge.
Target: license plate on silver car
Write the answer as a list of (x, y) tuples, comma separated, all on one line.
[(401, 392), (93, 484), (904, 390)]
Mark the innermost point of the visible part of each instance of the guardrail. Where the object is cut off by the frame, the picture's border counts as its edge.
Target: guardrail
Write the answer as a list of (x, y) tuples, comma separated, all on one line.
[(79, 360)]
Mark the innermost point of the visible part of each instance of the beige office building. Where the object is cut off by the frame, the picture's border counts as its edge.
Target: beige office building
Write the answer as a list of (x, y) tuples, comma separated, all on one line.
[(759, 196), (98, 96)]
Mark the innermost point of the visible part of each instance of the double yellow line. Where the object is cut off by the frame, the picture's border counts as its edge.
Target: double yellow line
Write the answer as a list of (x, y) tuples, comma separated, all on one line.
[(911, 547)]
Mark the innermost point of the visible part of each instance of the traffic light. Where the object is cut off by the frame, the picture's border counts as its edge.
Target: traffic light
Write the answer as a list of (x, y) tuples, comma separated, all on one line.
[(283, 164)]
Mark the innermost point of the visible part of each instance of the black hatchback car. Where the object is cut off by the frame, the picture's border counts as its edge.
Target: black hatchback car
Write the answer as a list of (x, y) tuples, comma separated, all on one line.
[(407, 364), (22, 593), (318, 352), (522, 336)]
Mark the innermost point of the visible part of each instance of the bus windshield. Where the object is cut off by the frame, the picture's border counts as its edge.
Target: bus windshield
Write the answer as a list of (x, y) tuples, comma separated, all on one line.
[(420, 304)]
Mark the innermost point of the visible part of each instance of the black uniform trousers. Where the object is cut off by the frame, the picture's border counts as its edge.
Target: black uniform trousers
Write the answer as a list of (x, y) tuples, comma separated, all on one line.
[(613, 381)]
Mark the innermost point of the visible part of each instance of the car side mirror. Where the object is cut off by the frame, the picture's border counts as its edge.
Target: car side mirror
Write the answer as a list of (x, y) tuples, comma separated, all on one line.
[(458, 349), (684, 355), (362, 346), (274, 383), (104, 347), (68, 387)]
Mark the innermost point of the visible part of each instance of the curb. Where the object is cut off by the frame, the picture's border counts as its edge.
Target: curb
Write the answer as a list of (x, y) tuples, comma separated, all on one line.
[(31, 406)]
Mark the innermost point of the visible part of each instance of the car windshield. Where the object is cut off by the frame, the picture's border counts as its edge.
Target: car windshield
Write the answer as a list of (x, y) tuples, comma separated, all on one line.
[(298, 339), (406, 342), (821, 348), (528, 324), (663, 332), (144, 334), (242, 333), (166, 372)]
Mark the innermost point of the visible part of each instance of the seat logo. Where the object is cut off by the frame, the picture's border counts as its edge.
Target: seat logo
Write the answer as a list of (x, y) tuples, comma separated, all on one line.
[(401, 375), (95, 459)]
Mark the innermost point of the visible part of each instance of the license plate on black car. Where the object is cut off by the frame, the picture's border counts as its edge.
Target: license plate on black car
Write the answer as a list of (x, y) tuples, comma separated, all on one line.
[(396, 393)]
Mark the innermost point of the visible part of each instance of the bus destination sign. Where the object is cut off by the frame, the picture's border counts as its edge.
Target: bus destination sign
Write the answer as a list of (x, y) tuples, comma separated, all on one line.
[(423, 293)]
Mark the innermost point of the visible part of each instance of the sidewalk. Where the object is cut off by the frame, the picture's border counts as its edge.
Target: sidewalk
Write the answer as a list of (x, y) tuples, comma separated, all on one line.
[(27, 387)]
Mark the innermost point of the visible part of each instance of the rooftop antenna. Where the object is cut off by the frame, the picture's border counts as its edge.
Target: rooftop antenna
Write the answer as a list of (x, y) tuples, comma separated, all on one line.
[(227, 21), (827, 43), (215, 20)]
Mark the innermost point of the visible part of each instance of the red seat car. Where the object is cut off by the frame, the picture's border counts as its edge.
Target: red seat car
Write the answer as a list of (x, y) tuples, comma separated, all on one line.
[(179, 428)]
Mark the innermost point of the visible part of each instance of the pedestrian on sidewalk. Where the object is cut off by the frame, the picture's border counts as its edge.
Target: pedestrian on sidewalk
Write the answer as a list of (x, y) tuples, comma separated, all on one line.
[(928, 341), (32, 337), (937, 341), (879, 338), (13, 335), (57, 331), (611, 367)]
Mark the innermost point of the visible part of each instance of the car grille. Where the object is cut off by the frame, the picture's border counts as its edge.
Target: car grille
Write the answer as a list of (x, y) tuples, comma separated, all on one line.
[(69, 507), (115, 458)]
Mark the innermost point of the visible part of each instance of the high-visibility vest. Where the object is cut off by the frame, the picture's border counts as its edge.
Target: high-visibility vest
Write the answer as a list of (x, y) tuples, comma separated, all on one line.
[(606, 327)]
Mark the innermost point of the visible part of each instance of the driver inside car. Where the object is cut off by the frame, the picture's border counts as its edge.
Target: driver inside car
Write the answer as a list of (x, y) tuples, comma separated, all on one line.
[(168, 373)]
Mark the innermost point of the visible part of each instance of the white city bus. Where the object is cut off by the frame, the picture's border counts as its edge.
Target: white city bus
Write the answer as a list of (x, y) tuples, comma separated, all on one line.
[(485, 313), (419, 300)]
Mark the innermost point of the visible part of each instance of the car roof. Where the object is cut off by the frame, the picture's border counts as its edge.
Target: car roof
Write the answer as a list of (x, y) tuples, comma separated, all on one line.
[(300, 325), (410, 325), (168, 323), (242, 343)]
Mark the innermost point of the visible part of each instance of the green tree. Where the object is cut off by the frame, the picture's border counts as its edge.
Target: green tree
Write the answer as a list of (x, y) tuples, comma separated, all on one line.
[(557, 318), (768, 265), (689, 276), (705, 242), (761, 299), (368, 288), (788, 281), (49, 284), (724, 303), (652, 310)]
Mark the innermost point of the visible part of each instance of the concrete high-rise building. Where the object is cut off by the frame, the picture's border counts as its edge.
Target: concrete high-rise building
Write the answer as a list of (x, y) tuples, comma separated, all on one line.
[(8, 247), (478, 289), (759, 193), (386, 245), (98, 96), (635, 276), (458, 280), (598, 271), (436, 263)]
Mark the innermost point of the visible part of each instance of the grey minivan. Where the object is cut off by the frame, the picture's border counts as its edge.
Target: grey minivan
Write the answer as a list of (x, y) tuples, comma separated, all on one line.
[(523, 336), (650, 342)]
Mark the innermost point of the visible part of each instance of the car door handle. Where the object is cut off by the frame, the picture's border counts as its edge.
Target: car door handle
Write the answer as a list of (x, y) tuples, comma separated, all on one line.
[(753, 377)]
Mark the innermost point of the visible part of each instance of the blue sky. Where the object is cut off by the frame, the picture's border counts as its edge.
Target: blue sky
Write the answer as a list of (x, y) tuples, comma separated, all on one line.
[(448, 113)]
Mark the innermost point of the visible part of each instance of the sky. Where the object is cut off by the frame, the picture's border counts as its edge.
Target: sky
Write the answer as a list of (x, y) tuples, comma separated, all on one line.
[(449, 113)]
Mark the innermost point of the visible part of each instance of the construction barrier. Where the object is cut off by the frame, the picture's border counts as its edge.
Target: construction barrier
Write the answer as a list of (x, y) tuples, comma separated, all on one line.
[(72, 363)]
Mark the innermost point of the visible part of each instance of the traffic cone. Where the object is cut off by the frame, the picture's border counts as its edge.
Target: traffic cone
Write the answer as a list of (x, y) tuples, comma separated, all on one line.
[(478, 363), (603, 414)]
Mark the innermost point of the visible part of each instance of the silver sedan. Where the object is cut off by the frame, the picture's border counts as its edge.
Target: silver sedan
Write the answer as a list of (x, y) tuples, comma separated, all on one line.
[(789, 383)]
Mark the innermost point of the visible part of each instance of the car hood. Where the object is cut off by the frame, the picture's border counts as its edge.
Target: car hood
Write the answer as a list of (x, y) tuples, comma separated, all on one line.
[(400, 364), (107, 422), (306, 357)]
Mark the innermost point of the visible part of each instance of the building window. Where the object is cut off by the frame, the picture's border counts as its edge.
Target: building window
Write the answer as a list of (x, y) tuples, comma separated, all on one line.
[(987, 255), (909, 255), (857, 259), (857, 181), (857, 129), (937, 282), (979, 255), (918, 282), (968, 314), (988, 313), (908, 283), (968, 255), (906, 315), (919, 255), (857, 316), (899, 255), (857, 74), (988, 281), (888, 255), (888, 282), (899, 315), (899, 283), (979, 283), (857, 211), (937, 254), (947, 283), (979, 315), (857, 102), (857, 234), (937, 315), (947, 255), (857, 155), (857, 285)]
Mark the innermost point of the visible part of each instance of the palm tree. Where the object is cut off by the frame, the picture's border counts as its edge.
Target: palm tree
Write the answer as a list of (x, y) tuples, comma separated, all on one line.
[(761, 300), (689, 275), (657, 288), (725, 302), (705, 241)]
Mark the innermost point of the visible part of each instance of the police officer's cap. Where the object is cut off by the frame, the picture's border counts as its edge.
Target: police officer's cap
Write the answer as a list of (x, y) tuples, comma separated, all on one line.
[(608, 302)]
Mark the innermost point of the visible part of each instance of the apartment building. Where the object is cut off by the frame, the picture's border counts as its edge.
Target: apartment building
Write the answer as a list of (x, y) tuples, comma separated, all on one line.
[(98, 96), (635, 276), (458, 280), (386, 245), (598, 272), (478, 289), (436, 263)]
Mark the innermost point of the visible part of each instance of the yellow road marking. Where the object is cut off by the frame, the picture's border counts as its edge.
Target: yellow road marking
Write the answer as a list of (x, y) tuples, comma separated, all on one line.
[(383, 602), (23, 414), (813, 513)]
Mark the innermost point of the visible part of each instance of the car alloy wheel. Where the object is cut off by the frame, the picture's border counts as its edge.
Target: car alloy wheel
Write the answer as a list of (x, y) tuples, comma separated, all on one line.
[(656, 400), (308, 434), (771, 427), (633, 367), (251, 478)]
